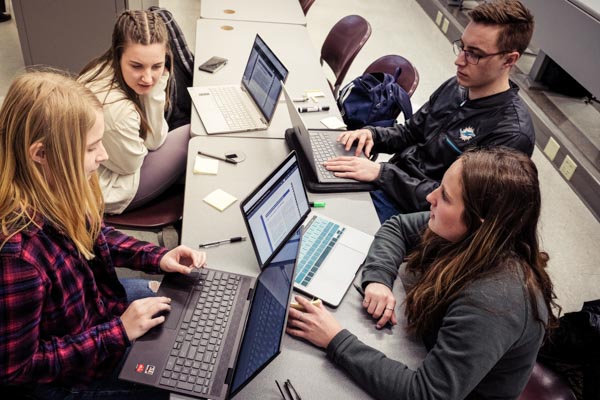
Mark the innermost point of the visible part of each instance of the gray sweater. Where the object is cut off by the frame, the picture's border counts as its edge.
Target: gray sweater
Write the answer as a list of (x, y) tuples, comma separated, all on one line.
[(485, 346)]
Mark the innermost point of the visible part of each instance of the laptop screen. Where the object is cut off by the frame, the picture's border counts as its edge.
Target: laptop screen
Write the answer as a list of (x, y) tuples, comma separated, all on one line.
[(268, 314), (263, 76), (275, 208)]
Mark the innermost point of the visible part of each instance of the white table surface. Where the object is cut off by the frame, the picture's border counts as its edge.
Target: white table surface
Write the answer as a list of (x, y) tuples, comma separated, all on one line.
[(279, 11)]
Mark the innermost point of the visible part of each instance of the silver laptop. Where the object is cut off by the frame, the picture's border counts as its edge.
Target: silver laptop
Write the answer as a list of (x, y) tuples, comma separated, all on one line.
[(330, 253), (246, 107), (317, 145)]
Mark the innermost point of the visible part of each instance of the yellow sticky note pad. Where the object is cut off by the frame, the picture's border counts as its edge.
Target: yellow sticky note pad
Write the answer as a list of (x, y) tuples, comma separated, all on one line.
[(206, 166), (220, 199)]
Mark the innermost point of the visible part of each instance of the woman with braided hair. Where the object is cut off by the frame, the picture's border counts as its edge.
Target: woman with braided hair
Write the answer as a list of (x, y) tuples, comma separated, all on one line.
[(132, 81)]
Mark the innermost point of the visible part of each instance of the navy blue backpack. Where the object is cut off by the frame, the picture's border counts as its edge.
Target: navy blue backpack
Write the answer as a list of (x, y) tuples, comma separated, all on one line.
[(374, 99)]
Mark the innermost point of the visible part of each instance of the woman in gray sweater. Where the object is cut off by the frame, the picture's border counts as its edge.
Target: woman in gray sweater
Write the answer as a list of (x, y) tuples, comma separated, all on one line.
[(482, 301)]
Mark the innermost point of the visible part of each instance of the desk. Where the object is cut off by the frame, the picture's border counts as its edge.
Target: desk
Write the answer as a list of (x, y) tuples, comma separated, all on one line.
[(279, 11), (307, 367), (290, 43)]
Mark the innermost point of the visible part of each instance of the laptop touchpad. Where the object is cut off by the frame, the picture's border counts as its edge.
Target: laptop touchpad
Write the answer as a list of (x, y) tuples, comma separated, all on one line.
[(178, 301)]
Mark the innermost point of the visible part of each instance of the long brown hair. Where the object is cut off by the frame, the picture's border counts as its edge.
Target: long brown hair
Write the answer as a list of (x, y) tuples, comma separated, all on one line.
[(58, 112), (132, 27), (501, 194)]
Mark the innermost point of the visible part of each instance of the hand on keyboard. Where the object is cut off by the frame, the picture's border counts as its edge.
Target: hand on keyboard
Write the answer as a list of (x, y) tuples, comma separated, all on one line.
[(360, 169), (363, 138), (143, 315), (182, 259)]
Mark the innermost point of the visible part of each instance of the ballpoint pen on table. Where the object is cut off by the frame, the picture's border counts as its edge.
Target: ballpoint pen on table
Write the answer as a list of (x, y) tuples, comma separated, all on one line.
[(290, 389), (280, 390), (220, 242), (228, 160)]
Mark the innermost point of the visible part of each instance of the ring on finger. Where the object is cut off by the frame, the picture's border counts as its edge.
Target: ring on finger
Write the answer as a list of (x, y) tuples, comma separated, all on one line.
[(388, 308)]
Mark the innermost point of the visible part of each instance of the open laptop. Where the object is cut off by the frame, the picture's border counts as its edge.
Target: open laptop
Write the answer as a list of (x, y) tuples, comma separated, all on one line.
[(318, 145), (331, 252), (246, 107), (210, 347)]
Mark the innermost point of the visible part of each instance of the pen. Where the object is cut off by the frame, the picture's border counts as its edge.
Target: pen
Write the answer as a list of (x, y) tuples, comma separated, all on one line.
[(288, 385), (317, 204), (220, 242), (280, 391), (229, 160), (300, 99), (313, 109)]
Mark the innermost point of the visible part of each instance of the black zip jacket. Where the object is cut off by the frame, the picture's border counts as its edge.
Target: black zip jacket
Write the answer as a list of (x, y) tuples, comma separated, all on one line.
[(447, 125)]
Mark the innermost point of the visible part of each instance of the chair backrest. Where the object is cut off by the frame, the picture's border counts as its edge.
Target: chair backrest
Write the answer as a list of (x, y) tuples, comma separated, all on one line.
[(342, 44), (165, 210), (545, 384), (408, 79), (306, 4)]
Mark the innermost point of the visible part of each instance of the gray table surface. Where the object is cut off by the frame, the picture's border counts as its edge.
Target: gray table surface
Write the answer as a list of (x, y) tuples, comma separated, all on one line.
[(290, 43), (312, 374), (279, 11)]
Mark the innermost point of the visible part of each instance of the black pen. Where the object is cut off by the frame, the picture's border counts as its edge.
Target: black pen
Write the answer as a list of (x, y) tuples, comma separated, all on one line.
[(229, 160), (287, 390), (220, 242), (313, 109), (280, 391), (297, 396)]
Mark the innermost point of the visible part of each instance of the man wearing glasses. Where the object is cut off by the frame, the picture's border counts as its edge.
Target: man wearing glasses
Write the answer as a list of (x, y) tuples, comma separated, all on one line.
[(478, 107)]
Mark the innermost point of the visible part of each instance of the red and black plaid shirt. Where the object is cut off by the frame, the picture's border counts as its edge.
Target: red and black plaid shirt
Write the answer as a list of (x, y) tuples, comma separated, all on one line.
[(59, 313)]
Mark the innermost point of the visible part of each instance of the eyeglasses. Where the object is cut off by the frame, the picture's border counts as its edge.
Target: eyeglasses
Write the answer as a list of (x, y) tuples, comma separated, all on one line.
[(471, 57)]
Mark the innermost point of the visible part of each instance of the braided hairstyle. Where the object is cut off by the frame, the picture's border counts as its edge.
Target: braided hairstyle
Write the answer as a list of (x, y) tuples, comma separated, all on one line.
[(132, 27)]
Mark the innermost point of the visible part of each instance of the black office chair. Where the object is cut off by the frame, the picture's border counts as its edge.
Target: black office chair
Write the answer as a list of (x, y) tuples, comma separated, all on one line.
[(342, 44), (409, 77)]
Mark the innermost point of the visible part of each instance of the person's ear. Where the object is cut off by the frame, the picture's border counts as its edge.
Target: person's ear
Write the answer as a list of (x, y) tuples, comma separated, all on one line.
[(37, 152), (511, 59)]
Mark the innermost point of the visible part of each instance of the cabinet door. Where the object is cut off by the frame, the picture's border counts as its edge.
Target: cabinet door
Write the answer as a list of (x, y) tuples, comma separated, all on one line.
[(65, 34)]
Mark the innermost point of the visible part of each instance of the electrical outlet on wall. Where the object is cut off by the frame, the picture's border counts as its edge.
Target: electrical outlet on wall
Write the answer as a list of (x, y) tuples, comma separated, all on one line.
[(551, 149), (568, 167), (438, 18), (445, 25)]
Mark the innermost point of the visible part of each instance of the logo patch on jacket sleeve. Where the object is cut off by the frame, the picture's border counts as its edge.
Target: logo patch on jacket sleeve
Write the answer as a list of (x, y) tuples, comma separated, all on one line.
[(467, 133)]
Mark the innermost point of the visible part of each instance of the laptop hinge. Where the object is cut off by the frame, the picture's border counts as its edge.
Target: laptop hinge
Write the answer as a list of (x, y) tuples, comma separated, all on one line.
[(250, 292), (229, 376)]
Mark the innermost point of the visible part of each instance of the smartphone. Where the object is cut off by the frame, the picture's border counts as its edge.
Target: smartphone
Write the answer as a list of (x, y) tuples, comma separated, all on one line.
[(213, 64)]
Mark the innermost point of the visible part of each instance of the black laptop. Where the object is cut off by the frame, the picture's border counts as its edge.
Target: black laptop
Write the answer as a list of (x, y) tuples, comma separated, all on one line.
[(223, 328)]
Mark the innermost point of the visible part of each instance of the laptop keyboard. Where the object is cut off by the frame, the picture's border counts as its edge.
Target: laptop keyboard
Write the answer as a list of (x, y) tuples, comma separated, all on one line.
[(230, 103), (193, 356), (317, 242), (322, 151)]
